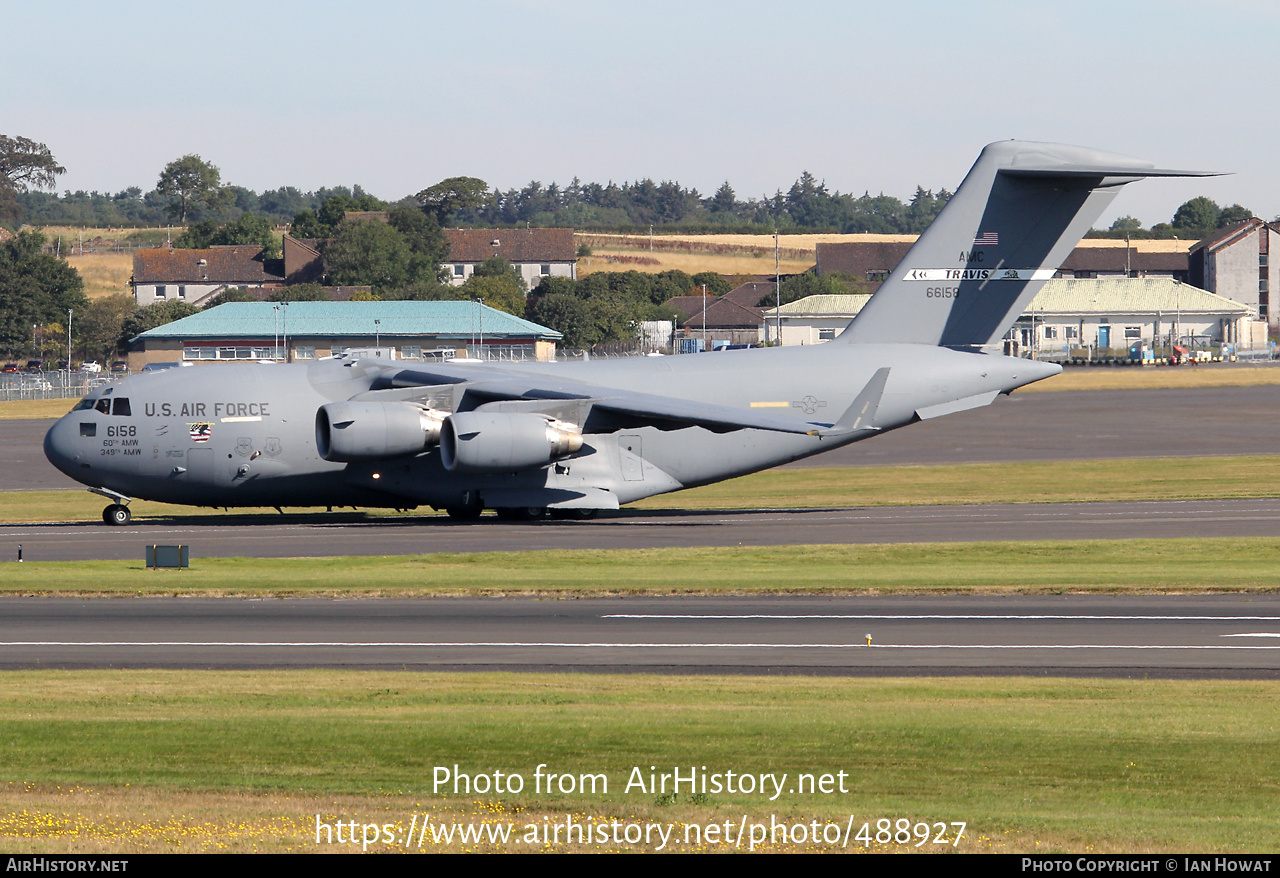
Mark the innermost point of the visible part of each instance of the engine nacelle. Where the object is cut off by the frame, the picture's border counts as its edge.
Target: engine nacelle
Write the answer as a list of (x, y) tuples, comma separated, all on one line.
[(354, 431), (491, 442)]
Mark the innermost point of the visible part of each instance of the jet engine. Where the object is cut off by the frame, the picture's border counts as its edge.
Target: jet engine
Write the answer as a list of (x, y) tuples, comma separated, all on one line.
[(487, 442), (354, 431)]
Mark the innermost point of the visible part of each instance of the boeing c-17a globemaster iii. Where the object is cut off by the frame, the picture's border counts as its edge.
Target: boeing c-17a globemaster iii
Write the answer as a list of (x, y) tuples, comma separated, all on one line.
[(574, 438)]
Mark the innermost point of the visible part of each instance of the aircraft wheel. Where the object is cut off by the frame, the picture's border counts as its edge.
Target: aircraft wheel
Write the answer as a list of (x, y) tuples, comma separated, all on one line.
[(574, 514), (521, 513), (463, 513), (117, 514)]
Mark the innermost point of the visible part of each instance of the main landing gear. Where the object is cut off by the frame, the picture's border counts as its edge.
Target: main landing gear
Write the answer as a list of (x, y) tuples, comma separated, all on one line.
[(521, 513)]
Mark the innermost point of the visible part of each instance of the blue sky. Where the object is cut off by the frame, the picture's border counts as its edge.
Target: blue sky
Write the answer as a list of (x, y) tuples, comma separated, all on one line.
[(396, 96)]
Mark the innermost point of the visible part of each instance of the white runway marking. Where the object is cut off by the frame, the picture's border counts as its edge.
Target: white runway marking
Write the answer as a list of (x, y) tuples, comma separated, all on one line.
[(945, 616), (597, 645)]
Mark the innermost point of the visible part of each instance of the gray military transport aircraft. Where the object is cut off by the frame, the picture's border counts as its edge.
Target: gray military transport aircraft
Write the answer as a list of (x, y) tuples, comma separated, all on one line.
[(572, 438)]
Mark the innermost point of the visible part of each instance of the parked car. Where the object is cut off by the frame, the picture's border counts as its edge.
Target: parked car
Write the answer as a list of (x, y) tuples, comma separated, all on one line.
[(9, 368), (34, 366), (119, 366), (91, 366)]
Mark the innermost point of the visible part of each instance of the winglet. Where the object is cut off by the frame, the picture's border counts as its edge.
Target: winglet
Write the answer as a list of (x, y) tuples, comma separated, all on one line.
[(862, 413)]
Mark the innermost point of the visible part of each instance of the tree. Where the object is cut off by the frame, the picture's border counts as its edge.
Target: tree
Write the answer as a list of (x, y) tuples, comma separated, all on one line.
[(151, 316), (99, 327), (569, 315), (24, 165), (1196, 215), (249, 229), (506, 292), (38, 289), (299, 293), (368, 252), (716, 284), (233, 294), (498, 266), (447, 197), (803, 285), (724, 201), (190, 181), (424, 238), (1127, 224), (1234, 215)]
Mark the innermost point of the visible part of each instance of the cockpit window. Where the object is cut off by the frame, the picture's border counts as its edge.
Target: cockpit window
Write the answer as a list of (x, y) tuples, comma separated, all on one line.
[(83, 404), (121, 406), (104, 406)]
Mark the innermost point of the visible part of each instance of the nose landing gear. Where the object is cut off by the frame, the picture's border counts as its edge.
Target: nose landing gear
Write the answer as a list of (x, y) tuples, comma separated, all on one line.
[(117, 514)]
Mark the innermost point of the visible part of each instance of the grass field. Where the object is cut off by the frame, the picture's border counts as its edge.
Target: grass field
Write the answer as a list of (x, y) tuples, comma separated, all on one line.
[(104, 274), (1132, 566), (1158, 377), (176, 761), (1060, 481), (691, 263), (30, 409)]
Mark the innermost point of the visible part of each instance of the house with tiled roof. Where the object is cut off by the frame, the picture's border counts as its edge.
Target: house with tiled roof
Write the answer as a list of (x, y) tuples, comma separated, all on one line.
[(1236, 263), (163, 274), (535, 253), (301, 331), (725, 320)]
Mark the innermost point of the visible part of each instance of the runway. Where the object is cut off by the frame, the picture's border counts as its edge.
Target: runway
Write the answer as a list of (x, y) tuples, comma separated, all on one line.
[(322, 536), (1115, 636)]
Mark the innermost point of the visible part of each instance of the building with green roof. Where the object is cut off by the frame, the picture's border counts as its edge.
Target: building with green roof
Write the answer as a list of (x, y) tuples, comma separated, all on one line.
[(300, 331)]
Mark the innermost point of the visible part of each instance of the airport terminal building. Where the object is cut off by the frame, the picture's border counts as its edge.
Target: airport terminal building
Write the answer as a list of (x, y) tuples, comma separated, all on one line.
[(301, 331)]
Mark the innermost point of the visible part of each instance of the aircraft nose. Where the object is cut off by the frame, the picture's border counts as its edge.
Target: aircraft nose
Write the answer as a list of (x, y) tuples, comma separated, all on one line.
[(60, 446)]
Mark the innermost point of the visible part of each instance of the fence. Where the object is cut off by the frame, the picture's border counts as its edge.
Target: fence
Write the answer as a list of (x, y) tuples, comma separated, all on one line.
[(51, 385)]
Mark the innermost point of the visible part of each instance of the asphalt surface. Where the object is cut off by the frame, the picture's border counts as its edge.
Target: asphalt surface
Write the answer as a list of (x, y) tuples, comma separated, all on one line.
[(1101, 636), (1116, 636), (269, 536)]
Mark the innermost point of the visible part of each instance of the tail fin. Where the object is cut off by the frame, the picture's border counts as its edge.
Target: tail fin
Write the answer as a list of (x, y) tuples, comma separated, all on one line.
[(1015, 218)]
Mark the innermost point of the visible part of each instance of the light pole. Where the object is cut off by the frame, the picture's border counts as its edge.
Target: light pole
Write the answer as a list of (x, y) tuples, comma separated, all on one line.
[(704, 317), (377, 333)]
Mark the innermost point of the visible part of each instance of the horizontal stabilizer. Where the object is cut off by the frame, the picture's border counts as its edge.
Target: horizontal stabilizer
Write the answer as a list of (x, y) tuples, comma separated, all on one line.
[(958, 405)]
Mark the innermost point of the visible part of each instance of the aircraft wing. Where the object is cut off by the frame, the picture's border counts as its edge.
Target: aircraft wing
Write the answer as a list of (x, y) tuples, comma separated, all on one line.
[(487, 383)]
